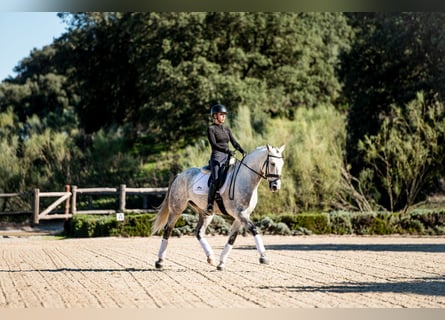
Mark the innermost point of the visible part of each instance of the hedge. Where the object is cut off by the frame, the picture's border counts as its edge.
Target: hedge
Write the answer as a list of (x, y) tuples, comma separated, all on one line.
[(418, 222)]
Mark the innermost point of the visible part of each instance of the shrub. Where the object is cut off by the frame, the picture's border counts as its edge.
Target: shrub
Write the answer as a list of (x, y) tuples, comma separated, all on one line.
[(268, 226), (382, 224), (104, 226), (317, 223), (426, 221), (340, 222), (82, 226), (411, 226), (185, 225), (372, 223), (107, 225), (336, 222), (134, 225), (429, 219), (219, 225)]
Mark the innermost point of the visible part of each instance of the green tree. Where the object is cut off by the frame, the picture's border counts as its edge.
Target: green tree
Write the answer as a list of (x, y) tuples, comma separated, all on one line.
[(160, 72), (408, 152), (41, 89), (393, 56)]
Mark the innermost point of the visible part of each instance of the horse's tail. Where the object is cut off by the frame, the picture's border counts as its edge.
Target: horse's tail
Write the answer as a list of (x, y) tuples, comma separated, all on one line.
[(162, 215)]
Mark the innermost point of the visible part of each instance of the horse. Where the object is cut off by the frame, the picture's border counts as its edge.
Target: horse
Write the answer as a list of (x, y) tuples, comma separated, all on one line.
[(239, 200)]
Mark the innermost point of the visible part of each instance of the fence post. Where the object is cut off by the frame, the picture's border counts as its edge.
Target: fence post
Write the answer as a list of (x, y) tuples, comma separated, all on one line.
[(67, 202), (122, 191), (73, 199), (36, 207)]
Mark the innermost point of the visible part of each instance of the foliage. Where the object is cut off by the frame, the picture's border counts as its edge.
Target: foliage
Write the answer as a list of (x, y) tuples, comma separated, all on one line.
[(107, 225), (393, 57), (268, 226), (123, 97), (166, 69), (38, 157), (408, 151), (372, 223), (318, 223), (314, 175), (430, 222), (340, 222), (418, 222)]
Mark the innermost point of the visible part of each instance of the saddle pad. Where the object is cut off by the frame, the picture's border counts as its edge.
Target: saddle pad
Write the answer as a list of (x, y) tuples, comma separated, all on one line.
[(200, 183)]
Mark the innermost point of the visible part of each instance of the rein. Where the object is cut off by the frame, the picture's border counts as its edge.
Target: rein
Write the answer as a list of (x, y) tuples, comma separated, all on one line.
[(262, 175)]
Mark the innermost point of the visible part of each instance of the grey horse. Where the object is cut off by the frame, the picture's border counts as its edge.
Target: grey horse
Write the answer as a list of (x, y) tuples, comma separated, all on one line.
[(239, 195)]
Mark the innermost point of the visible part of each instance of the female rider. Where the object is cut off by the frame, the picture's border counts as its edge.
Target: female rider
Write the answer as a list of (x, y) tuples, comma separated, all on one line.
[(219, 137)]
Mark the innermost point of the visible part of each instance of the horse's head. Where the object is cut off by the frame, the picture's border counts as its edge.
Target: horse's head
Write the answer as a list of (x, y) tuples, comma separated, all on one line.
[(274, 165)]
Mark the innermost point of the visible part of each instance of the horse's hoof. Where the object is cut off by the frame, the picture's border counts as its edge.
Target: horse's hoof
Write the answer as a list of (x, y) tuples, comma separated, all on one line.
[(220, 267), (158, 264), (264, 260), (211, 261)]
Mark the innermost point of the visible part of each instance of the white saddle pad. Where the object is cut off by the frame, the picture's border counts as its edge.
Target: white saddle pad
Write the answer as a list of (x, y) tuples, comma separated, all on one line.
[(200, 183)]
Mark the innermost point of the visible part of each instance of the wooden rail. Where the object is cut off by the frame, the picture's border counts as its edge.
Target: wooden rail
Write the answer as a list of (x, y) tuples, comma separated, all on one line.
[(15, 195), (122, 191), (69, 198)]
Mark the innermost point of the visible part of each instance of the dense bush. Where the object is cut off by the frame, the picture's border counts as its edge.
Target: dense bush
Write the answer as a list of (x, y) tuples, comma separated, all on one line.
[(419, 222), (427, 222), (104, 226), (340, 222), (317, 223)]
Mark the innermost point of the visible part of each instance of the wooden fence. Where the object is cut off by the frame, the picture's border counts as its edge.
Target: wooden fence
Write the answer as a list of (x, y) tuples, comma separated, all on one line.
[(69, 200)]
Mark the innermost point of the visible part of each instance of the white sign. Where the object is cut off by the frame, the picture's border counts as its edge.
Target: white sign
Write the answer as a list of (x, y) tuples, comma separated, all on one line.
[(120, 216)]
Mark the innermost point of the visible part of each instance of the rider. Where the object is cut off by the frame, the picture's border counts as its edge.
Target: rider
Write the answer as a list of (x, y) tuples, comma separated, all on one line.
[(219, 137)]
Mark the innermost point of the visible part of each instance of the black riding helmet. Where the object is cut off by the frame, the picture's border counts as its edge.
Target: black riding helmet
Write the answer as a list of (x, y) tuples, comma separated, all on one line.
[(218, 108)]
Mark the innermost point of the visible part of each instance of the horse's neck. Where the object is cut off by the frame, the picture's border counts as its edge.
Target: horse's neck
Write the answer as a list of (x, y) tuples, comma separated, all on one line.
[(255, 162)]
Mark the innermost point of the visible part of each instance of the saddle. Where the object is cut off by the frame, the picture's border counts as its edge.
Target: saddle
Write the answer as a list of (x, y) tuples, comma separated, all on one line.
[(222, 173), (203, 179)]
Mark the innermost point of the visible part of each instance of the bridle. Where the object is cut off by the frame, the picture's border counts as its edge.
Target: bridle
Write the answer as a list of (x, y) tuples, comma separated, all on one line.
[(265, 175), (266, 164)]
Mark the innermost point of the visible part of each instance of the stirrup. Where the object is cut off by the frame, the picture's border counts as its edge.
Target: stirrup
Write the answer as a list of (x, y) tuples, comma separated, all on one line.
[(209, 210)]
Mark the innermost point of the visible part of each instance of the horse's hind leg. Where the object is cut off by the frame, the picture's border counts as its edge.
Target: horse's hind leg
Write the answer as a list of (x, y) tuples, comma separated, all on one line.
[(163, 249), (172, 219), (200, 231), (234, 230)]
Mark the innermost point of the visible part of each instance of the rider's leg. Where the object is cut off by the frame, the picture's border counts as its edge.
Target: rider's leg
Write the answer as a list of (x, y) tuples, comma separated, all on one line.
[(211, 198), (213, 187)]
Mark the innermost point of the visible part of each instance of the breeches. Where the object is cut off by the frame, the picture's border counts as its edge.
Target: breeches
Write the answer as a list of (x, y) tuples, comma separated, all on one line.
[(216, 168)]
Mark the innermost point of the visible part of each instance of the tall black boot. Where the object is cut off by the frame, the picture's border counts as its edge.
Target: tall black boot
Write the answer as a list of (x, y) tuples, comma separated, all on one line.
[(211, 199)]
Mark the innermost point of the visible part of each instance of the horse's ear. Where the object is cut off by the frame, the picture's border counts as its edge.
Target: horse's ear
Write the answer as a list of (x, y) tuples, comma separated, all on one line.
[(281, 149)]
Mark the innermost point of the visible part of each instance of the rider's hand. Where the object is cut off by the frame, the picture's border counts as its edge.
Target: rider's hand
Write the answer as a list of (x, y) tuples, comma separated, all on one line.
[(231, 153)]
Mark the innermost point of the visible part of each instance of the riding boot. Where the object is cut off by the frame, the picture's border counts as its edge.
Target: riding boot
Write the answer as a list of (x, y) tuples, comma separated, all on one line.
[(211, 199)]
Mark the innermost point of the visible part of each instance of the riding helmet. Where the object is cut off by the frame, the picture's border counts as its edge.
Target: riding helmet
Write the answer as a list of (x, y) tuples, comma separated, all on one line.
[(218, 108)]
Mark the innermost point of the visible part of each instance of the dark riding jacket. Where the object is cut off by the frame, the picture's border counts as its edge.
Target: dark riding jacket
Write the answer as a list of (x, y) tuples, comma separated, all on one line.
[(219, 138)]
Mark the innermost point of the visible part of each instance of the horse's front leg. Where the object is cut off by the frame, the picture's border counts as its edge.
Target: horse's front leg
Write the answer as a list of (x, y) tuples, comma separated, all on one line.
[(234, 230), (258, 240), (200, 231)]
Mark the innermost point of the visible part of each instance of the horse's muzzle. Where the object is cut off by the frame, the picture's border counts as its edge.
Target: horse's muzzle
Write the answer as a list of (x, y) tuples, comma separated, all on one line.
[(275, 185)]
